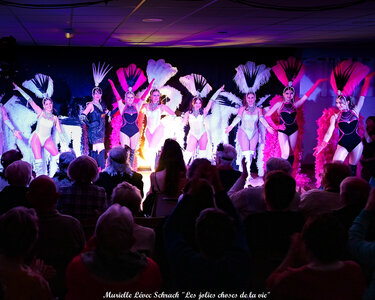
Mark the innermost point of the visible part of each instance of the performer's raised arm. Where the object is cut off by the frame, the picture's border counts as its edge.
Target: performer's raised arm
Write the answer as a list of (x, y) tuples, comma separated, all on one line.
[(213, 98), (309, 92), (35, 107)]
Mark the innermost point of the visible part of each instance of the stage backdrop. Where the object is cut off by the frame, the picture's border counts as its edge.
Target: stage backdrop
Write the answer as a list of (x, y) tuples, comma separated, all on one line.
[(70, 68)]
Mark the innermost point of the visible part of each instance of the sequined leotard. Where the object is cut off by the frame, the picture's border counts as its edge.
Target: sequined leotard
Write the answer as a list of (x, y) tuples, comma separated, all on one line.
[(348, 130), (288, 114)]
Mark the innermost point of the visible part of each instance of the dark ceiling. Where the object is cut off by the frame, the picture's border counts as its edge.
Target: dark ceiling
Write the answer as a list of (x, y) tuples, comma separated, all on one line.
[(194, 23)]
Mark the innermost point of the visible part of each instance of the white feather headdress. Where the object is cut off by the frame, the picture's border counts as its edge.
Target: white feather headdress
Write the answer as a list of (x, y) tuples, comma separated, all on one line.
[(41, 85), (160, 71), (99, 72), (196, 84), (249, 77)]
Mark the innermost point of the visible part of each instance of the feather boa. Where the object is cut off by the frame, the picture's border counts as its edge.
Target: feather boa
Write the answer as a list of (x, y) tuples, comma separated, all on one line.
[(326, 155)]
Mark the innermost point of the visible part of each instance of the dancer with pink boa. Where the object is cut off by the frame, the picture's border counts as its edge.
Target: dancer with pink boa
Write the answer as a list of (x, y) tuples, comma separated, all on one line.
[(130, 78), (286, 115), (346, 141)]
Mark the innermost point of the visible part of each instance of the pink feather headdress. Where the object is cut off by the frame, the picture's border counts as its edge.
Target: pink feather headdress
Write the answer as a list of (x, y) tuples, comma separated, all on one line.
[(289, 71), (131, 78), (346, 76)]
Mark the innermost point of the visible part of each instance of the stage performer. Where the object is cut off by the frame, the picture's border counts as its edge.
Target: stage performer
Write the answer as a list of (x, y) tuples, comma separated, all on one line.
[(46, 120), (155, 129), (130, 78), (197, 85), (5, 118), (94, 116), (344, 78), (249, 78), (163, 101), (287, 108)]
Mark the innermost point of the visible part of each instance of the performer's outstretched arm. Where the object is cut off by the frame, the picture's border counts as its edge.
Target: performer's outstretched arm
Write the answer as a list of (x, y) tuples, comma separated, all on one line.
[(35, 107), (121, 105), (309, 92), (363, 94), (213, 98), (144, 95), (268, 117), (5, 117), (264, 122), (167, 109), (236, 120)]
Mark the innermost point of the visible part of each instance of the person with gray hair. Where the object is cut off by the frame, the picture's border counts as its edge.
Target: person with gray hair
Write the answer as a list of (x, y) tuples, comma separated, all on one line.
[(18, 174), (110, 264), (129, 196), (250, 200), (225, 156), (118, 170)]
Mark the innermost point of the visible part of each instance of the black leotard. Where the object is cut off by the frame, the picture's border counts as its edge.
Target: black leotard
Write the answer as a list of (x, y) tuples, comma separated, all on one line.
[(288, 115), (348, 130)]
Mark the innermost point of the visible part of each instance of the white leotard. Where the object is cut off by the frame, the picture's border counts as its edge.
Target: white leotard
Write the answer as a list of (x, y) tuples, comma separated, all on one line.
[(153, 119), (47, 124), (197, 128), (249, 124)]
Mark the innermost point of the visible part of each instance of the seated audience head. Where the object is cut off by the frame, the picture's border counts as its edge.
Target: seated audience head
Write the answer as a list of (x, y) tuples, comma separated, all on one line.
[(19, 173), (171, 156), (126, 194), (114, 231), (354, 190), (278, 164), (333, 174), (117, 161), (198, 168), (18, 232), (171, 160), (325, 238), (42, 193), (225, 155), (214, 231), (10, 156), (279, 190), (83, 169), (65, 159)]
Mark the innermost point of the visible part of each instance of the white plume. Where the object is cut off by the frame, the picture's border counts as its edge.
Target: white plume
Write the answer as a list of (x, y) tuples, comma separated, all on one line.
[(160, 71), (174, 95), (190, 82), (41, 85), (99, 72), (245, 80)]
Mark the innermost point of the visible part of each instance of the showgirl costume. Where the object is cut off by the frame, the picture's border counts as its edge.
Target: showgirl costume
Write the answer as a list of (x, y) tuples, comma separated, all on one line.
[(42, 87), (249, 78), (129, 121), (289, 72), (348, 130), (288, 117), (130, 78), (199, 88), (153, 119), (94, 117), (348, 124), (44, 128), (96, 124)]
